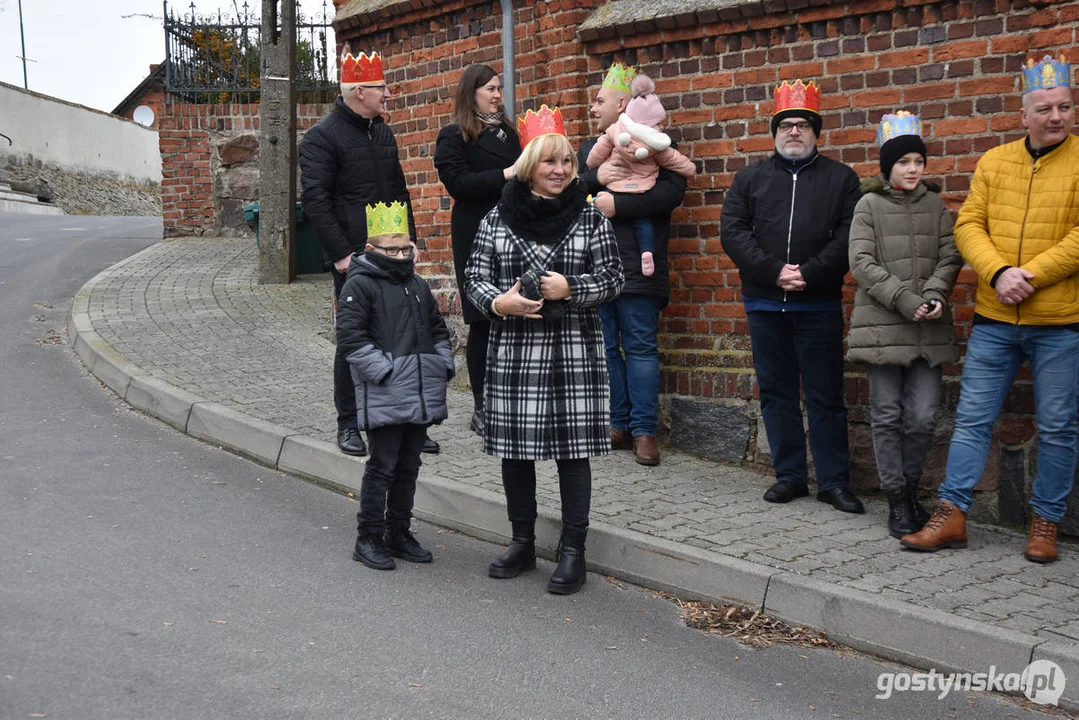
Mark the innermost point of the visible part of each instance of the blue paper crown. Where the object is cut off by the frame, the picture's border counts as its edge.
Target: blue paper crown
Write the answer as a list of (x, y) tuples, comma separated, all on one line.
[(1048, 73), (901, 123)]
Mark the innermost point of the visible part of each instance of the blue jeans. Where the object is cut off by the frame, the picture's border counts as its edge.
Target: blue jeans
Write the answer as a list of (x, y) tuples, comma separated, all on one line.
[(788, 346), (646, 236), (994, 355), (630, 326)]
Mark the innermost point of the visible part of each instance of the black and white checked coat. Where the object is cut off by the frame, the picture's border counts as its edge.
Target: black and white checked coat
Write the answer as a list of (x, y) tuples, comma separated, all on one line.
[(546, 394)]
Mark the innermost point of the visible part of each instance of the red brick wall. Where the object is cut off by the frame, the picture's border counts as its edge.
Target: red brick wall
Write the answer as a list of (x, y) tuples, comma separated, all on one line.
[(954, 62), (188, 136)]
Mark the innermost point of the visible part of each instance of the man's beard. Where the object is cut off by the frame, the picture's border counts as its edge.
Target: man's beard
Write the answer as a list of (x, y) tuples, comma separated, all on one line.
[(794, 152)]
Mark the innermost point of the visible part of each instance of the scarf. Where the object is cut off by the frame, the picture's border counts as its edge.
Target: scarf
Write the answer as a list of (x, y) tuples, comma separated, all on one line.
[(493, 122), (541, 220), (400, 269)]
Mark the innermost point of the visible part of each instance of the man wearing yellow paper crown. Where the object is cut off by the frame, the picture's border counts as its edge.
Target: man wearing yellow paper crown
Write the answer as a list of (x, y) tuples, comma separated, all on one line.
[(398, 351), (785, 223), (348, 160), (1019, 231), (631, 322)]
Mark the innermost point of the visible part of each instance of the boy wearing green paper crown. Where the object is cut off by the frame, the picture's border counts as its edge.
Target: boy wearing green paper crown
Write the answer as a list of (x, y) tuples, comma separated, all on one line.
[(398, 349)]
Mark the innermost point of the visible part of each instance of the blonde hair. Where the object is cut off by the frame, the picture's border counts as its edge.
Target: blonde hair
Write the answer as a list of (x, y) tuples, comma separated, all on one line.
[(543, 147)]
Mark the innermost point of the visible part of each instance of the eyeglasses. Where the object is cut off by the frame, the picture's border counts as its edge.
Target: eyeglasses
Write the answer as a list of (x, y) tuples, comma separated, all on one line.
[(380, 88), (395, 251), (786, 127)]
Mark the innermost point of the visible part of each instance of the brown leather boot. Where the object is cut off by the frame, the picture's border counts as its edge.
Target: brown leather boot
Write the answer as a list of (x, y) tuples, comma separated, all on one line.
[(1042, 546), (947, 528), (621, 440), (645, 450)]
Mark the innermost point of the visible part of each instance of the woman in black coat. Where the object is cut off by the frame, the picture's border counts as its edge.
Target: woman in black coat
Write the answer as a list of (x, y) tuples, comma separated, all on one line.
[(474, 157)]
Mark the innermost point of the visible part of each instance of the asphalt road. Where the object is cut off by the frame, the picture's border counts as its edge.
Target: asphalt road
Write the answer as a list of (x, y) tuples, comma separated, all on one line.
[(149, 576)]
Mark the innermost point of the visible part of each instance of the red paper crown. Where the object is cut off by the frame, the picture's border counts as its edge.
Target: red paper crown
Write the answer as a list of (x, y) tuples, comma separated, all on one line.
[(362, 68), (545, 122), (798, 96)]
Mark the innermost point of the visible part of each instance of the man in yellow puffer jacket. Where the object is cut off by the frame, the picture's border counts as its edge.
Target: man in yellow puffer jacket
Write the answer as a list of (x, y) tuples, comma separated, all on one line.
[(1019, 230)]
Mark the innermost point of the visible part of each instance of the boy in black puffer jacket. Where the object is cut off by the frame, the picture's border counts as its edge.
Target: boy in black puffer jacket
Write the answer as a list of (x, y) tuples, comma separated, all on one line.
[(398, 348)]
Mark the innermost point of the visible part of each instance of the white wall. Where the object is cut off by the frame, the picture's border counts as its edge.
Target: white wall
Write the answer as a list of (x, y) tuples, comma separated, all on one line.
[(74, 137)]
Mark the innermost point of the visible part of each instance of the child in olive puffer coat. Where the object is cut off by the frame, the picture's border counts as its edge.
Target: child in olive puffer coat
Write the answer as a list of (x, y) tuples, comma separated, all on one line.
[(903, 255)]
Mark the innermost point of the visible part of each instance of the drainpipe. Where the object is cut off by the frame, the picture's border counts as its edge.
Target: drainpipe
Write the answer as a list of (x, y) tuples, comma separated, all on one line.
[(509, 66)]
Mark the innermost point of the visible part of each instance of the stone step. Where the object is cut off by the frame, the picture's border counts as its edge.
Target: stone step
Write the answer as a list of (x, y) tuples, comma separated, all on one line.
[(28, 207), (18, 195)]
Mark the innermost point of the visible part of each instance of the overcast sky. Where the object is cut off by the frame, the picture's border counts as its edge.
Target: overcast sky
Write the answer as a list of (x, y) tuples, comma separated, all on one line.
[(93, 52)]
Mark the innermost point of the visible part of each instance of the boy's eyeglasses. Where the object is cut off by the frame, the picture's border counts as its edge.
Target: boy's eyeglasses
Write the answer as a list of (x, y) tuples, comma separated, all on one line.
[(396, 251)]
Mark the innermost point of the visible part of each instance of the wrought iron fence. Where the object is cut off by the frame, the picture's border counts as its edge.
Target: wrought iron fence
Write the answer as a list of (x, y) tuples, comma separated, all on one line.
[(215, 59)]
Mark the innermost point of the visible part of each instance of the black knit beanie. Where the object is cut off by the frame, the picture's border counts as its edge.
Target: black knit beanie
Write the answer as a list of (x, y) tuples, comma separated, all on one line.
[(897, 147), (813, 118)]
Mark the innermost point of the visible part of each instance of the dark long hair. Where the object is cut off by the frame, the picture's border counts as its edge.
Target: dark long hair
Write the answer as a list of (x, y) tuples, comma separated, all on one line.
[(464, 100)]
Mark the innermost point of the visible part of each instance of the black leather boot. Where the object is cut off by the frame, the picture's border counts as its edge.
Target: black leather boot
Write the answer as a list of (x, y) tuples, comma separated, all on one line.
[(401, 543), (921, 515), (371, 551), (570, 574), (901, 514), (520, 555)]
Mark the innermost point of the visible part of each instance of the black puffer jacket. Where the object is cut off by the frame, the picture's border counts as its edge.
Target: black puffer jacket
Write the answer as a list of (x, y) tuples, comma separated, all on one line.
[(346, 163), (769, 219), (397, 346)]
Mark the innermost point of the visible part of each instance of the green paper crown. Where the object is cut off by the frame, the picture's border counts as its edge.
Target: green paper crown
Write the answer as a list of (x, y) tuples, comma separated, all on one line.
[(387, 220), (619, 78)]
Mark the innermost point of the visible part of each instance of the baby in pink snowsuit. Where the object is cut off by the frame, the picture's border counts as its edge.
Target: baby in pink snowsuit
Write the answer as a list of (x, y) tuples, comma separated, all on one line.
[(636, 145)]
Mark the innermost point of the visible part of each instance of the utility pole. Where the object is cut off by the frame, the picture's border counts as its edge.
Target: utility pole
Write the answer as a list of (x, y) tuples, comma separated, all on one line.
[(22, 38), (277, 143)]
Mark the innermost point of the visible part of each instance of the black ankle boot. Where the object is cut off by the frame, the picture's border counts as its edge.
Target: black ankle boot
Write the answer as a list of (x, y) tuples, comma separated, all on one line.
[(921, 515), (520, 555), (371, 551), (570, 574), (901, 514)]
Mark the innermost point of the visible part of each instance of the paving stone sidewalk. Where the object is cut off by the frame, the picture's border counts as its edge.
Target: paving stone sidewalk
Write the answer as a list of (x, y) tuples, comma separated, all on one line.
[(189, 312)]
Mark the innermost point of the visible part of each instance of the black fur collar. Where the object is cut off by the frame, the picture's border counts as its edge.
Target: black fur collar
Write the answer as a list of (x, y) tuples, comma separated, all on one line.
[(540, 220)]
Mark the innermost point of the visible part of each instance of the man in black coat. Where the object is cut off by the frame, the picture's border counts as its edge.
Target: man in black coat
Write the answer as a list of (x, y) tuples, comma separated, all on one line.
[(785, 224), (348, 161), (631, 322)]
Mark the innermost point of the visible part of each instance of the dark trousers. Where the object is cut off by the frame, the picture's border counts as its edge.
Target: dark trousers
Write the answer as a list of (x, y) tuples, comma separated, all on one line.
[(344, 391), (476, 356), (574, 485), (389, 481), (788, 346)]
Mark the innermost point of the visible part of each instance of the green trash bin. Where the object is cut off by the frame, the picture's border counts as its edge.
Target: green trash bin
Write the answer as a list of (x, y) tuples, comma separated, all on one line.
[(309, 258)]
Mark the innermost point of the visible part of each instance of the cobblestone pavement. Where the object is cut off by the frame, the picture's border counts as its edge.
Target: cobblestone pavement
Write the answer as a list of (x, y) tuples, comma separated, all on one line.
[(190, 312)]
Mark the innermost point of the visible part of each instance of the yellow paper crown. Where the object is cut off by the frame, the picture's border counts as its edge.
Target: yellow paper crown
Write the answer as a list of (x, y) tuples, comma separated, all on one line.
[(620, 77), (385, 219)]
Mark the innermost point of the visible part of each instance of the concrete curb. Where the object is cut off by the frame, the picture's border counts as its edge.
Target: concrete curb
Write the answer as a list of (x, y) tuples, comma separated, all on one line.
[(895, 630)]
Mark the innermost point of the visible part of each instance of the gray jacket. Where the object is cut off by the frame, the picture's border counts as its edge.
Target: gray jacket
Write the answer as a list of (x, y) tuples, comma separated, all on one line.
[(397, 346), (902, 253)]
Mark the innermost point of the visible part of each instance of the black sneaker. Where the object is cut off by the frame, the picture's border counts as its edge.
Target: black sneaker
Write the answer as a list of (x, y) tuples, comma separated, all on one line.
[(351, 442), (400, 542), (372, 552)]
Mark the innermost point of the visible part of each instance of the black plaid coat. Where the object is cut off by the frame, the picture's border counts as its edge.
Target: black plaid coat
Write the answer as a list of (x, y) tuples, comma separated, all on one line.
[(546, 394)]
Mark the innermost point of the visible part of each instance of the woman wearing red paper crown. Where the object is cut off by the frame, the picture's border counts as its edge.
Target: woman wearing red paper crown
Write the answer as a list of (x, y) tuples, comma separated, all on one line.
[(542, 262), (474, 157), (903, 255)]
